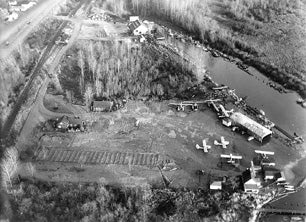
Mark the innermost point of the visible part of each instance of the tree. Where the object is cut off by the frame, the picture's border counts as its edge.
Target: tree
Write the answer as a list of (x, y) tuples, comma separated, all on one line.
[(9, 165)]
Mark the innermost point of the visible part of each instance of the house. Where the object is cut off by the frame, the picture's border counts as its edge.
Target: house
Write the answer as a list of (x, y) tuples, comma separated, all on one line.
[(11, 17), (138, 28), (150, 25), (102, 106), (134, 18), (270, 173), (253, 128), (253, 185), (216, 185)]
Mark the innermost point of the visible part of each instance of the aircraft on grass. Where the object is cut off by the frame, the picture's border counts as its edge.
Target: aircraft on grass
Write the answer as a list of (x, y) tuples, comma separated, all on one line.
[(205, 147), (222, 143), (264, 153), (265, 160), (231, 158)]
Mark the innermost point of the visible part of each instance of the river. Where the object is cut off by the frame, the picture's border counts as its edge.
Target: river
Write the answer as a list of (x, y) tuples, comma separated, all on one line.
[(280, 108)]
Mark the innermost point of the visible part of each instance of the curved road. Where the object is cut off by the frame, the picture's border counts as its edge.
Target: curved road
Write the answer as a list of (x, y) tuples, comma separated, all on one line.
[(4, 132)]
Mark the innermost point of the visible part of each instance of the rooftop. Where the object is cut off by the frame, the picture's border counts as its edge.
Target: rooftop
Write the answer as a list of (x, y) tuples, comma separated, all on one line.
[(250, 124)]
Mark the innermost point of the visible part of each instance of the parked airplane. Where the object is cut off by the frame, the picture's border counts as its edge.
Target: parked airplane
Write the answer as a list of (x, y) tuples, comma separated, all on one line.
[(264, 158), (205, 147), (264, 153), (222, 143), (231, 158)]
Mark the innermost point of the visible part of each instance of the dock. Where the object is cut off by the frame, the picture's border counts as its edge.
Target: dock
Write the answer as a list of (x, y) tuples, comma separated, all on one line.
[(284, 132), (283, 211)]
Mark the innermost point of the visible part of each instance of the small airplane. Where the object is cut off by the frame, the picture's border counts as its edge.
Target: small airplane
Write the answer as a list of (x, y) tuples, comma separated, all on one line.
[(264, 153), (222, 143), (265, 160), (205, 147), (232, 158), (225, 113)]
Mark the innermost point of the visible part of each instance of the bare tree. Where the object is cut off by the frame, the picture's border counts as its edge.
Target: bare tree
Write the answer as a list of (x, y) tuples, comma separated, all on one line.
[(31, 168), (9, 165)]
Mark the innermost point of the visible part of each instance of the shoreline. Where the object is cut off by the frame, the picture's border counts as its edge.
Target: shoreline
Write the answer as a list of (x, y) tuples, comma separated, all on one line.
[(289, 81)]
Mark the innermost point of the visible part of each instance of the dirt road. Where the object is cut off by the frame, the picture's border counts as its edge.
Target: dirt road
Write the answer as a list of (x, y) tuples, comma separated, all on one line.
[(24, 94)]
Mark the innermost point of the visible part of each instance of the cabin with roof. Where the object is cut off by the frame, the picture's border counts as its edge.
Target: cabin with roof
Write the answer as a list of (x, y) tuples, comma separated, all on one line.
[(253, 185), (138, 28), (216, 185), (253, 128)]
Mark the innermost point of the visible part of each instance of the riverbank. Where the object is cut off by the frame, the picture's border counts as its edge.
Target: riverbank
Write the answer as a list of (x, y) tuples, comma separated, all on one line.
[(272, 41)]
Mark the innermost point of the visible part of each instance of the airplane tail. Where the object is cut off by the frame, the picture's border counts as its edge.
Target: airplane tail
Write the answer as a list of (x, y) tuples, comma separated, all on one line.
[(216, 142), (198, 147)]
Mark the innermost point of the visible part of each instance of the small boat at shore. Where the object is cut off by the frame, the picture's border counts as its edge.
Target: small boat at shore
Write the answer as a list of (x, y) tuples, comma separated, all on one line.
[(302, 102)]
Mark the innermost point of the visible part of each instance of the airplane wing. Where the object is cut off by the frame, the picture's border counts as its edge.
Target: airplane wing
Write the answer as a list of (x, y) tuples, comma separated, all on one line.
[(225, 156), (237, 157), (224, 146)]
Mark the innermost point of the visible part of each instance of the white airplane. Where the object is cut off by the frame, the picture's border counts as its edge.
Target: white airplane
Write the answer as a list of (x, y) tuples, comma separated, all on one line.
[(205, 147), (264, 153), (225, 113), (231, 157), (222, 143)]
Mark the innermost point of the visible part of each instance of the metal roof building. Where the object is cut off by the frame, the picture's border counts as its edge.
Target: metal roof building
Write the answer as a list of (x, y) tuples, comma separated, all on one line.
[(253, 128)]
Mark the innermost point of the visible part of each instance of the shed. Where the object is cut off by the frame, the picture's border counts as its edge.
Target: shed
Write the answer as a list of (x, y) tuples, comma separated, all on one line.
[(216, 185), (252, 185), (102, 106), (134, 18), (253, 128)]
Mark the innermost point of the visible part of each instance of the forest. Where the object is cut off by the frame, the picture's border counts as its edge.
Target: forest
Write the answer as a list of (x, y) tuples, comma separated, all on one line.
[(120, 70), (268, 35), (49, 201)]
